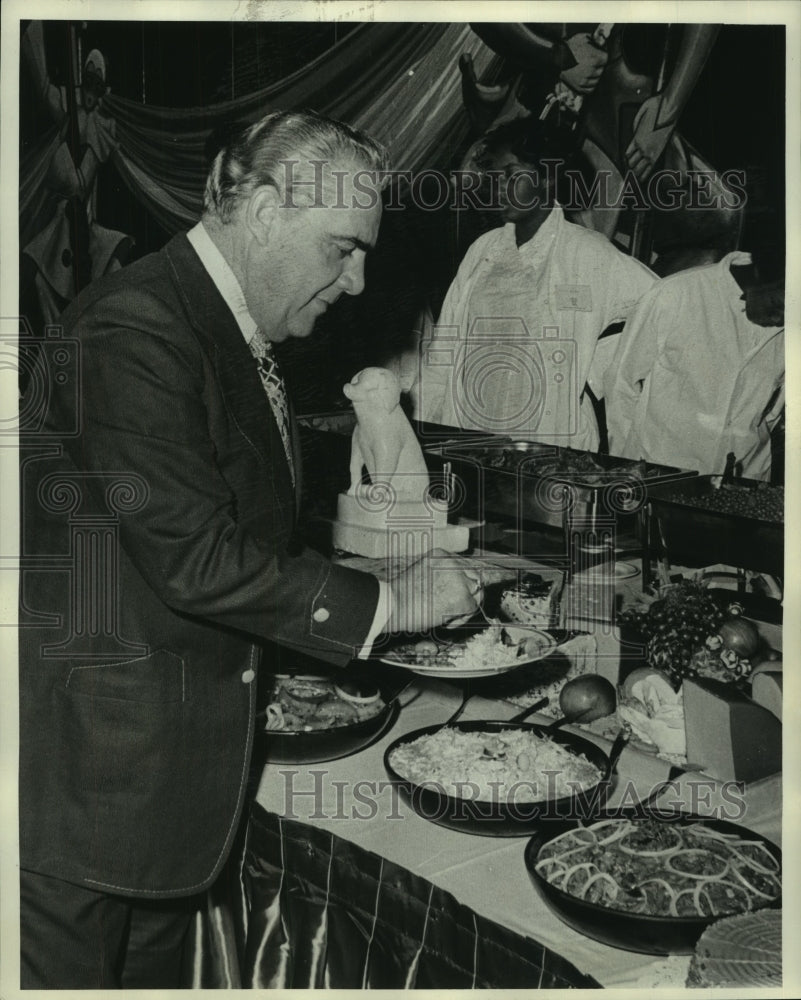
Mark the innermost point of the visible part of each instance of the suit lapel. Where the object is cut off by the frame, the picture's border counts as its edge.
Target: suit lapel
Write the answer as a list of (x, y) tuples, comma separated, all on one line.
[(237, 376)]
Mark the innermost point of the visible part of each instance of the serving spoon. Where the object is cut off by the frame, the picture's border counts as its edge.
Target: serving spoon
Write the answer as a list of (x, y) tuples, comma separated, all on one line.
[(587, 715), (616, 750), (519, 717)]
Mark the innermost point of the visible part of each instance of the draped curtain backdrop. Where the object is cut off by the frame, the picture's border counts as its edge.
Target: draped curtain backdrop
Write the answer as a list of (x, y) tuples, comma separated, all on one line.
[(399, 82)]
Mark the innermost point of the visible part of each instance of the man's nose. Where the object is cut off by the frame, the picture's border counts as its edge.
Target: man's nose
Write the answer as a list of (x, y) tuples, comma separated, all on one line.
[(352, 278)]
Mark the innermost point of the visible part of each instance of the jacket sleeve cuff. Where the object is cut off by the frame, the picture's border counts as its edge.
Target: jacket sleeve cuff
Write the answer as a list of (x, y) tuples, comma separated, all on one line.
[(380, 620)]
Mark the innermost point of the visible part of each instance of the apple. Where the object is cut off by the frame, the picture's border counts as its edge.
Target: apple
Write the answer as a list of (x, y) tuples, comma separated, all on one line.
[(587, 697)]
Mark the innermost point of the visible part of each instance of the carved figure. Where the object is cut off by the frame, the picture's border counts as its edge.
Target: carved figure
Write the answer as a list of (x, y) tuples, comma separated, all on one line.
[(383, 441)]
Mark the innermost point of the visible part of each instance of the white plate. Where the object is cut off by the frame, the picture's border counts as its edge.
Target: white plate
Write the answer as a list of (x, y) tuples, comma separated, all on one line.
[(608, 570), (404, 656)]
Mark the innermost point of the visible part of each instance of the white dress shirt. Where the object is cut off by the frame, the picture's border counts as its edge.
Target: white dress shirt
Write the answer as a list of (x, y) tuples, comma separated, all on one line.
[(228, 286), (694, 378), (517, 337)]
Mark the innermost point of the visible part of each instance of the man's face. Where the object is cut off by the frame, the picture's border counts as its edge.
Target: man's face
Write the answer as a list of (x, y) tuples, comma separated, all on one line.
[(515, 184), (314, 255)]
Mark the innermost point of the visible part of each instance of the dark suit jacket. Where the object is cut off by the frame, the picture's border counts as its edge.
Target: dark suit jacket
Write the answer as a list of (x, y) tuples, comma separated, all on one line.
[(157, 549)]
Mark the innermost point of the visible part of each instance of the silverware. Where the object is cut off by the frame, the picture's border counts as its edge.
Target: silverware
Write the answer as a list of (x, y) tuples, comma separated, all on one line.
[(617, 749), (519, 717), (588, 715), (530, 710)]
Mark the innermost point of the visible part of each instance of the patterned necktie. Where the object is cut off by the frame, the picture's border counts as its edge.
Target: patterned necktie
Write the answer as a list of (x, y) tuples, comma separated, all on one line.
[(273, 383)]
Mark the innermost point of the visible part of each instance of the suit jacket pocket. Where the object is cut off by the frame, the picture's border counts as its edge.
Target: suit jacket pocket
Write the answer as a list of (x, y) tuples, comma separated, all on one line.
[(157, 678)]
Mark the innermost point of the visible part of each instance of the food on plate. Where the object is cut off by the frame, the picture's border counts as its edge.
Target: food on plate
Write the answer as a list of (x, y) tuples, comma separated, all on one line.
[(490, 648), (303, 704), (662, 869), (514, 766), (534, 601), (426, 647), (674, 626), (588, 697)]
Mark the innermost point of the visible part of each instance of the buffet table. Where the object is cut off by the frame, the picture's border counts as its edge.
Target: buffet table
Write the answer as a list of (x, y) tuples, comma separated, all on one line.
[(337, 882), (351, 800)]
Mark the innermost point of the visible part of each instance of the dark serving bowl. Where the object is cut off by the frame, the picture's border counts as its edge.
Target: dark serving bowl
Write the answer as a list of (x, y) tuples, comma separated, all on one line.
[(278, 746), (638, 932), (504, 819)]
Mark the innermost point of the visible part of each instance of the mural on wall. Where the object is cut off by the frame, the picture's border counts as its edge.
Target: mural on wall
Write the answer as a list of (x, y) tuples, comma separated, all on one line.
[(616, 92), (71, 248), (115, 144)]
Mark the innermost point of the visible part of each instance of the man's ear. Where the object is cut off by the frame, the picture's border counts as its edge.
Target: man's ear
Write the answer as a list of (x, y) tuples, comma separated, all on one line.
[(261, 212)]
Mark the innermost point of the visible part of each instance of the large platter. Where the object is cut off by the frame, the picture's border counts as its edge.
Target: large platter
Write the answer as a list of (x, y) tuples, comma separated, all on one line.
[(653, 935), (500, 818), (298, 746), (538, 645)]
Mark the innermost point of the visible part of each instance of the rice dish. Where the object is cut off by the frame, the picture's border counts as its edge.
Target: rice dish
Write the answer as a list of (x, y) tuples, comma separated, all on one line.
[(484, 650), (490, 649), (507, 766)]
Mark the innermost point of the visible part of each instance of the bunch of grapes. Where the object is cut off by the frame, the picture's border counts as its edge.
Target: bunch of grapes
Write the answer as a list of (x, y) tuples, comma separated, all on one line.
[(675, 626)]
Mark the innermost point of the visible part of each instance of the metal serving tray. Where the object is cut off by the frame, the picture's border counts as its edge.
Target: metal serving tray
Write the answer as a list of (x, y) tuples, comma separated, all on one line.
[(692, 535), (548, 484)]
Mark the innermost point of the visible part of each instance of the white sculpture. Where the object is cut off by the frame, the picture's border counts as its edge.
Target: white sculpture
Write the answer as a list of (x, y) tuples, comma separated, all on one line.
[(393, 516), (383, 441)]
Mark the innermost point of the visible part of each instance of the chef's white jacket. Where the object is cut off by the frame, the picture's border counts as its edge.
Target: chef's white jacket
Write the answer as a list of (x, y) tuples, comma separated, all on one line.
[(694, 379), (517, 337)]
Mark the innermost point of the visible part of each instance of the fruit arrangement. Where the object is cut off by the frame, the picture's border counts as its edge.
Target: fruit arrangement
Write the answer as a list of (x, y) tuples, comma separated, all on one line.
[(728, 654), (675, 625), (688, 635)]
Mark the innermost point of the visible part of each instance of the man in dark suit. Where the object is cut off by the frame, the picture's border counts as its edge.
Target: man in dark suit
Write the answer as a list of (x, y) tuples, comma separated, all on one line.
[(158, 549)]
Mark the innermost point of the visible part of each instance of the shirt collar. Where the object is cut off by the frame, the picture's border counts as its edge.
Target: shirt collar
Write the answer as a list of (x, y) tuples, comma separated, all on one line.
[(223, 277), (739, 259), (547, 232)]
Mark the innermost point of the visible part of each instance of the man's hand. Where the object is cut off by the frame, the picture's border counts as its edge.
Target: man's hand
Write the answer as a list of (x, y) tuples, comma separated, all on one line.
[(590, 61), (650, 138), (433, 591)]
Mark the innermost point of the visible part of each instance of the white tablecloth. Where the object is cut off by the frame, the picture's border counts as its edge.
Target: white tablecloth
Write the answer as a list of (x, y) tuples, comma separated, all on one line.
[(352, 798)]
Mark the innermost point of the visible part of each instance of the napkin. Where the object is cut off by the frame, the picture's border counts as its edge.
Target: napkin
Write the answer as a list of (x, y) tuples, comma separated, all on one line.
[(655, 712)]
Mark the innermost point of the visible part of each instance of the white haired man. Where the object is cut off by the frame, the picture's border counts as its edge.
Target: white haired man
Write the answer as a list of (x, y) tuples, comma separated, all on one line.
[(137, 709)]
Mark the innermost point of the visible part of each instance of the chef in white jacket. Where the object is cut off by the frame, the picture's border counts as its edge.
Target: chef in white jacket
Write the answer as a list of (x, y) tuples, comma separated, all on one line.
[(700, 372), (518, 338)]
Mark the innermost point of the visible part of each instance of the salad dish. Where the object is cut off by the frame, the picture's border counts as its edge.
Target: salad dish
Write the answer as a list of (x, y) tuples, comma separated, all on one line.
[(653, 884)]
